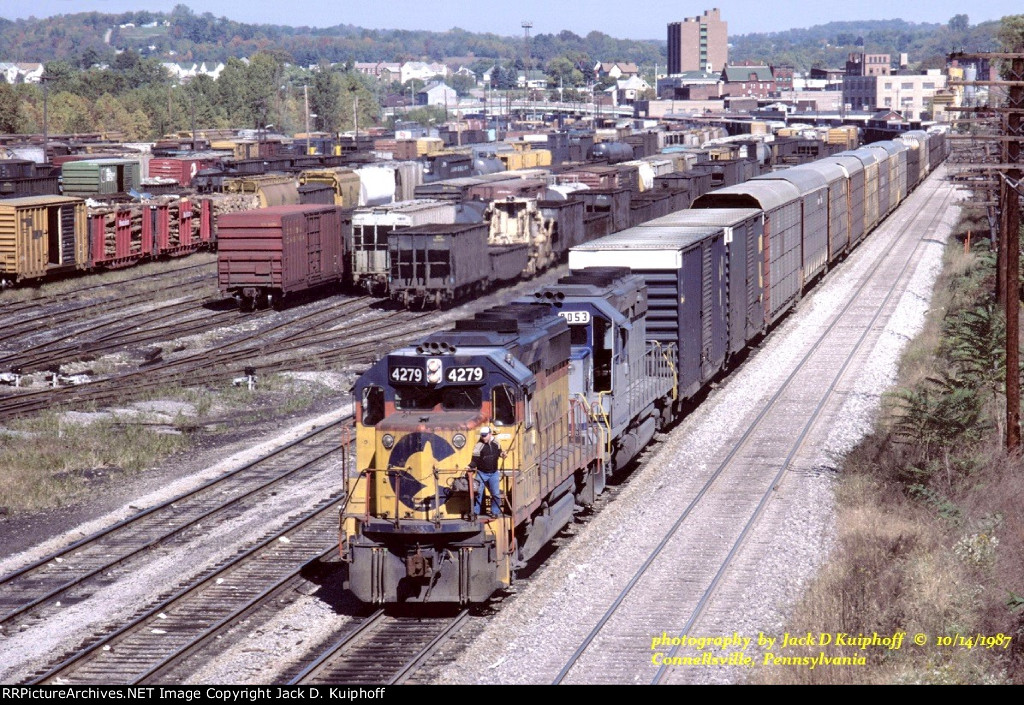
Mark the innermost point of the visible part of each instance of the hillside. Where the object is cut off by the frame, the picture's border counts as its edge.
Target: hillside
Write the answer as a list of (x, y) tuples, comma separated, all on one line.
[(84, 38)]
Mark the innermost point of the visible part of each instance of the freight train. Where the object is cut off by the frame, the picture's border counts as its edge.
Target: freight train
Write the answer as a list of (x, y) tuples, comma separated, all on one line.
[(460, 237), (578, 378), (421, 253)]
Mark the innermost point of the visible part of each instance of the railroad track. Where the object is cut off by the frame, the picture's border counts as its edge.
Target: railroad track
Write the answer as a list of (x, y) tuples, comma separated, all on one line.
[(209, 366), (31, 593), (381, 650), (18, 322), (116, 334), (726, 509), (183, 623)]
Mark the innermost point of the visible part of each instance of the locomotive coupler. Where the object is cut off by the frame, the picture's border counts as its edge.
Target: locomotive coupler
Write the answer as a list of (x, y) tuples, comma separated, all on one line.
[(417, 565)]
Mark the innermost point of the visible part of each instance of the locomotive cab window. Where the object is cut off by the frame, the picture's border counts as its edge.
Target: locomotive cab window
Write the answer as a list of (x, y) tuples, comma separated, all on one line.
[(449, 399), (373, 405), (503, 403)]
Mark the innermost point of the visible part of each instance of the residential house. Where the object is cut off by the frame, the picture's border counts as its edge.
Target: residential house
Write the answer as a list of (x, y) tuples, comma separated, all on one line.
[(377, 69), (532, 80), (615, 69), (189, 70), (421, 71), (21, 72), (629, 90)]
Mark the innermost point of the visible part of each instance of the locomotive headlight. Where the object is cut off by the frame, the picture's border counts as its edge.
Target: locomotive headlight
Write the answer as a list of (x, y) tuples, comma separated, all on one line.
[(433, 370), (387, 440), (459, 441)]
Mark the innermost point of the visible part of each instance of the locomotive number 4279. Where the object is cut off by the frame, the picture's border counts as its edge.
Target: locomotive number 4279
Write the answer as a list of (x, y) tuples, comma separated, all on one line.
[(407, 374), (465, 374)]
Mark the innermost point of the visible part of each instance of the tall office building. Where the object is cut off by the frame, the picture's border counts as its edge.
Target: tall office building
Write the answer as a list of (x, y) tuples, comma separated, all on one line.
[(698, 43)]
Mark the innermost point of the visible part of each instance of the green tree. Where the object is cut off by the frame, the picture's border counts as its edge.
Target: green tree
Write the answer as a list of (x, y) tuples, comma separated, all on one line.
[(11, 117), (69, 113), (356, 98), (324, 99), (1011, 33), (248, 90), (200, 96), (959, 24), (562, 71), (462, 83)]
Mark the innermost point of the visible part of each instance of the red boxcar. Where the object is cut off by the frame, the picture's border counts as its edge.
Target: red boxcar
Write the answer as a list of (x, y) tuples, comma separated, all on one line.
[(181, 169), (267, 254)]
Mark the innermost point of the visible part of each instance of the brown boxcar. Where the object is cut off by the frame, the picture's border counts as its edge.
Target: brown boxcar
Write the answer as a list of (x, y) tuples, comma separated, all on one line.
[(267, 254)]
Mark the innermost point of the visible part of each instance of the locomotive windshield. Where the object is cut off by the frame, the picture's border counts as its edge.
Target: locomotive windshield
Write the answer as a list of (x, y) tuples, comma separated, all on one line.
[(449, 399)]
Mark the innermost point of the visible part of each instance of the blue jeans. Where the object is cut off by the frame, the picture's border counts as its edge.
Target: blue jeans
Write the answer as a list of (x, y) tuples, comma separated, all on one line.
[(492, 480)]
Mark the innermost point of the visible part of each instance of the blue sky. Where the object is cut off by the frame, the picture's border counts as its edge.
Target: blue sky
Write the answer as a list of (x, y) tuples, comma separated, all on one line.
[(619, 18)]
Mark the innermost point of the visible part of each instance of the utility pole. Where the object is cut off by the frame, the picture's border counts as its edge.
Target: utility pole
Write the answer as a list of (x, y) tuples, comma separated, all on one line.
[(45, 80), (305, 97), (1012, 180), (1010, 190)]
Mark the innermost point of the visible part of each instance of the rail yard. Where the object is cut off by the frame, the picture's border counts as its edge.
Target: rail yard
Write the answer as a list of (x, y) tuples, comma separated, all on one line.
[(82, 616), (672, 330)]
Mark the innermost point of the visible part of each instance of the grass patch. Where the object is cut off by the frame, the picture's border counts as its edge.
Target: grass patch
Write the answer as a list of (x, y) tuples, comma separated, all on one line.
[(50, 462), (930, 510)]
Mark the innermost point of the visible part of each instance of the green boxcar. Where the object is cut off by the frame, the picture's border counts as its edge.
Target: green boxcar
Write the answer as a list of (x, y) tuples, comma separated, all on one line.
[(92, 177)]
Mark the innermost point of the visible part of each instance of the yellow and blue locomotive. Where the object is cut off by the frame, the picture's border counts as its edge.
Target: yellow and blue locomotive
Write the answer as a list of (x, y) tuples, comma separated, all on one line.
[(409, 530), (571, 389)]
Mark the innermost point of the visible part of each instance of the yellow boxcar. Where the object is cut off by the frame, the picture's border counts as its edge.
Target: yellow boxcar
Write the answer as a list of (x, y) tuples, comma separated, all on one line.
[(40, 235)]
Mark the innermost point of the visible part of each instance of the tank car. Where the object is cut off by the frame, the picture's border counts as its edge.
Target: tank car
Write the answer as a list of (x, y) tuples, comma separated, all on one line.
[(611, 152)]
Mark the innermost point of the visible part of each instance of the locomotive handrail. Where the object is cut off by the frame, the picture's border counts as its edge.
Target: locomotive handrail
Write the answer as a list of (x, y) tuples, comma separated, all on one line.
[(671, 366), (604, 428), (606, 420), (348, 498)]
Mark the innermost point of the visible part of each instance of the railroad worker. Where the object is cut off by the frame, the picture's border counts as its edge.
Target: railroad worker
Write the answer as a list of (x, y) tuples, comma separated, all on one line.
[(485, 461)]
